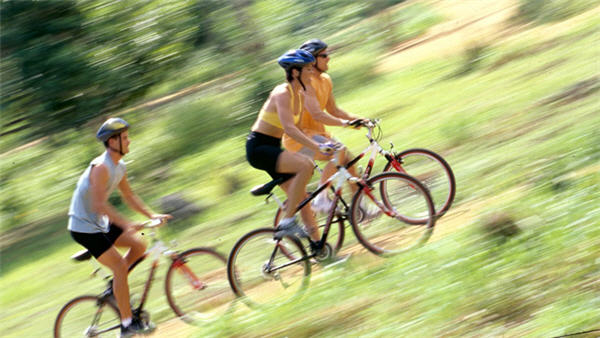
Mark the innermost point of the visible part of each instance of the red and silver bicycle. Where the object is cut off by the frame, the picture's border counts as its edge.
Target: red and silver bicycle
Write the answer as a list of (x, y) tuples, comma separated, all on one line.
[(195, 284)]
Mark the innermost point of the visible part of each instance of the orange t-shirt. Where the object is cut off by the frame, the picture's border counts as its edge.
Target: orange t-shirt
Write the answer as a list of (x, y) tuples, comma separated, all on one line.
[(323, 88)]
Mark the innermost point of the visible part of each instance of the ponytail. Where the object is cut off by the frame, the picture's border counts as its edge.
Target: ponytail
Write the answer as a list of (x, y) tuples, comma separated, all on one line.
[(290, 78)]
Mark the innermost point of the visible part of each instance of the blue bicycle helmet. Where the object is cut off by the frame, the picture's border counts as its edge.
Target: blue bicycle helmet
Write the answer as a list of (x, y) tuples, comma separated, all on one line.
[(295, 58), (314, 46), (110, 128)]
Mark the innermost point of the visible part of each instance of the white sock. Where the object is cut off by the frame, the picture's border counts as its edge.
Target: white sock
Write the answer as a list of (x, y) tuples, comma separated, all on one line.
[(126, 322), (322, 198)]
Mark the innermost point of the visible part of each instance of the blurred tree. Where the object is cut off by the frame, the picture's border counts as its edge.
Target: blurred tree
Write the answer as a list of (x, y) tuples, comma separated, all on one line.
[(375, 6), (251, 41), (64, 62), (36, 56), (202, 12), (541, 11)]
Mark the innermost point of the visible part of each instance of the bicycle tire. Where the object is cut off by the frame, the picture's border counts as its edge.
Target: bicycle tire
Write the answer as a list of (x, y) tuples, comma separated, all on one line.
[(73, 324), (248, 260), (433, 171), (336, 238), (196, 286), (387, 235)]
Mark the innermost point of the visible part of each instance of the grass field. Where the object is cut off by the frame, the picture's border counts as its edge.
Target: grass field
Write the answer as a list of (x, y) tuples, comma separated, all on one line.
[(517, 117)]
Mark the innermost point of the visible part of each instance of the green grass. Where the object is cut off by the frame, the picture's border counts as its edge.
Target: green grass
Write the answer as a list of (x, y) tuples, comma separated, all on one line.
[(539, 11), (510, 146)]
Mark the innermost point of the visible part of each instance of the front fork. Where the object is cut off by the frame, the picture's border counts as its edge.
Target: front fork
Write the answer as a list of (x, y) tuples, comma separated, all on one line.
[(395, 161), (185, 270), (369, 192)]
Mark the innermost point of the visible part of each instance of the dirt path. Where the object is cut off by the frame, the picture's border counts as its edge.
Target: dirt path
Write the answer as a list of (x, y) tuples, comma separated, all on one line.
[(173, 328), (467, 22), (470, 23)]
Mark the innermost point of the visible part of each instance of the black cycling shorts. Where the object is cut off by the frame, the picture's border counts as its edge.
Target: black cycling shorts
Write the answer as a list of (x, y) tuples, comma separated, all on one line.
[(98, 242), (262, 152)]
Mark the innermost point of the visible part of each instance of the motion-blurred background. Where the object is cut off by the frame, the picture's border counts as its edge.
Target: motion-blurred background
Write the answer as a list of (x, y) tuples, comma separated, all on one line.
[(505, 90)]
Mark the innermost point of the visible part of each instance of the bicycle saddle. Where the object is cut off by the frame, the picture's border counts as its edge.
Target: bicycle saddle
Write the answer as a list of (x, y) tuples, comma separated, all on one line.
[(82, 255), (265, 189)]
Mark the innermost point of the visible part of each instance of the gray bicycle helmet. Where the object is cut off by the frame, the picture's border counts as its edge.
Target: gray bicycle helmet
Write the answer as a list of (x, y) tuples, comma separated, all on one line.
[(110, 128), (314, 46)]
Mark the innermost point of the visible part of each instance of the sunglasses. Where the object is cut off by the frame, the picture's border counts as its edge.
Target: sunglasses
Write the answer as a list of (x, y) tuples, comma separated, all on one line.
[(324, 55)]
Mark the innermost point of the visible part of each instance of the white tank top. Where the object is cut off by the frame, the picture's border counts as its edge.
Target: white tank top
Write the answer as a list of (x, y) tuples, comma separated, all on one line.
[(82, 218)]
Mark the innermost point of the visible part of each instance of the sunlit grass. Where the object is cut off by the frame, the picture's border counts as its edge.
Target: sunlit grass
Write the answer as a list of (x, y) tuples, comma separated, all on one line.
[(492, 126)]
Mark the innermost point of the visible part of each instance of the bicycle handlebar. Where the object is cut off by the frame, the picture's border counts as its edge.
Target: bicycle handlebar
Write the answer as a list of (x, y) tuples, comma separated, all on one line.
[(372, 123), (154, 223)]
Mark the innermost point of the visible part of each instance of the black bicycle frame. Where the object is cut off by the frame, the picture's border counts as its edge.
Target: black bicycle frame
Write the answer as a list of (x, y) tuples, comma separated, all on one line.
[(338, 193), (337, 198)]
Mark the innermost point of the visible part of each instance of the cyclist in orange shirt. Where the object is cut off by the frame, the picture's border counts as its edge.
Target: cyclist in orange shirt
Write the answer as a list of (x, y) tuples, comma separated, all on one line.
[(323, 86)]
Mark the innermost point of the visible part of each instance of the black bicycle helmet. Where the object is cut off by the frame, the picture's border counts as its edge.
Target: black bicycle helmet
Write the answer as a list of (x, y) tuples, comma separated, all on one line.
[(314, 46), (110, 128), (295, 58)]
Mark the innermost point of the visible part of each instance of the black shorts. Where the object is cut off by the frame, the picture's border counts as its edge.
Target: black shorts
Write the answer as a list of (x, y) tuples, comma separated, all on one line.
[(98, 242), (262, 152)]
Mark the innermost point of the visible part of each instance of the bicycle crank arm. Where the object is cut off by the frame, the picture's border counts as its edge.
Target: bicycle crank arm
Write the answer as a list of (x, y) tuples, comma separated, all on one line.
[(279, 267)]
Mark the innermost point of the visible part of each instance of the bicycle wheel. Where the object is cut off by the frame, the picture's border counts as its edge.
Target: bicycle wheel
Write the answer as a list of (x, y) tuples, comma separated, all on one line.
[(87, 316), (383, 227), (266, 272), (196, 285), (432, 170)]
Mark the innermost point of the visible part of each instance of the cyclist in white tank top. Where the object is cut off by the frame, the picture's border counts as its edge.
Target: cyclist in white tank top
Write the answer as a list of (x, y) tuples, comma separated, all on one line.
[(82, 217), (96, 225)]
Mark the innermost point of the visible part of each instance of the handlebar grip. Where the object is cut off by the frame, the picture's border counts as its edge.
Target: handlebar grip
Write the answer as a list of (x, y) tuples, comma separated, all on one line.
[(356, 123), (153, 223)]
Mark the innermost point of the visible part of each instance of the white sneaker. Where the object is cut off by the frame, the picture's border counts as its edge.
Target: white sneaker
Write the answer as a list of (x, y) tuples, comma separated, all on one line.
[(290, 228), (321, 205), (137, 327), (367, 213)]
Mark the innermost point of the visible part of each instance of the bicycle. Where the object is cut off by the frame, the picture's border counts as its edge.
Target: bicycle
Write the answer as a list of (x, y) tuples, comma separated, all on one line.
[(194, 286), (259, 262), (425, 165)]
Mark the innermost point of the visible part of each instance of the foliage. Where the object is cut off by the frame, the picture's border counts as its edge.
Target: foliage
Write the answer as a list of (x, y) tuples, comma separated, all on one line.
[(408, 23), (94, 58), (89, 57), (542, 11)]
